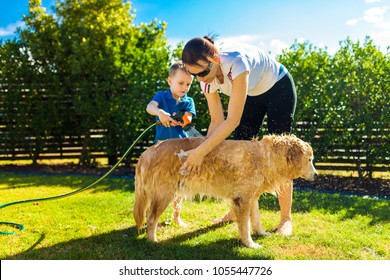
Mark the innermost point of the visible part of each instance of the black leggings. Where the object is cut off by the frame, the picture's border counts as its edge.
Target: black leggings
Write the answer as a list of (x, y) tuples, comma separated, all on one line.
[(278, 103)]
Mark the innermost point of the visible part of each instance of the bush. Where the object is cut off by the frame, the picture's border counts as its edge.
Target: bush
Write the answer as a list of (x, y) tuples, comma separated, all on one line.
[(343, 100), (88, 68)]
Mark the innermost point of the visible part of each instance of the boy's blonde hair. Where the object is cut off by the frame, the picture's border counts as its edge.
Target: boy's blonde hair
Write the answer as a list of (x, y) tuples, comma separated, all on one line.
[(177, 66)]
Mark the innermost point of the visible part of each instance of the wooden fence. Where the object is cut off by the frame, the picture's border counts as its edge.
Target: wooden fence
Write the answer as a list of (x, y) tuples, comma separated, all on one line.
[(338, 156)]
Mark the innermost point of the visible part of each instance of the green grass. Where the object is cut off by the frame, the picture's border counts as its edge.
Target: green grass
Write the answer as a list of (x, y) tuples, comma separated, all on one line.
[(98, 225)]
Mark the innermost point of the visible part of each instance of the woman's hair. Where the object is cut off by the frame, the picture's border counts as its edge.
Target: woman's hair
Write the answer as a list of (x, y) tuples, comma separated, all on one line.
[(198, 49), (177, 66)]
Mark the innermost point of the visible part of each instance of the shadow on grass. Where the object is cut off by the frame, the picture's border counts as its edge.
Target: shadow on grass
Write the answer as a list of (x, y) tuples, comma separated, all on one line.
[(126, 245), (346, 205)]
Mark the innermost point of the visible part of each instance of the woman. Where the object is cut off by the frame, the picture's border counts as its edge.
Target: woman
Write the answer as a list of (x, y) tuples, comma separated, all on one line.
[(257, 85)]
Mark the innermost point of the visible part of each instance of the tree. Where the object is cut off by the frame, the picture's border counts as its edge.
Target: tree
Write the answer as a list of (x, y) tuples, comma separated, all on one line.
[(101, 66), (343, 102), (360, 100), (309, 67)]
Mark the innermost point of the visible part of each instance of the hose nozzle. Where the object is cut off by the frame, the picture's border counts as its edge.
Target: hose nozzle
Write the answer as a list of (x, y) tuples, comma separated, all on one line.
[(182, 118)]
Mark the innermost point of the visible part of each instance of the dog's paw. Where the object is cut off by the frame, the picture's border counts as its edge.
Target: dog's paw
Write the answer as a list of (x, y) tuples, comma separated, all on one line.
[(253, 245), (262, 233)]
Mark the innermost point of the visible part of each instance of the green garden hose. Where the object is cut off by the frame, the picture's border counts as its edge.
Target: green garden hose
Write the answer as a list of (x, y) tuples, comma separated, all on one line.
[(21, 227)]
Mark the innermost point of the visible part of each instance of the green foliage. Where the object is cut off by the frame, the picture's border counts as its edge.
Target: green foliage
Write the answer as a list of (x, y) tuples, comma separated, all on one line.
[(361, 101), (87, 67), (343, 100)]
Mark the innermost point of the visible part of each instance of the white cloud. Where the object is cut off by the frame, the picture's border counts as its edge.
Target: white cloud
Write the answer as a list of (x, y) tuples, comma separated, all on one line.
[(378, 20), (375, 15), (277, 45), (352, 22), (11, 28), (274, 46), (255, 40), (372, 1), (173, 42)]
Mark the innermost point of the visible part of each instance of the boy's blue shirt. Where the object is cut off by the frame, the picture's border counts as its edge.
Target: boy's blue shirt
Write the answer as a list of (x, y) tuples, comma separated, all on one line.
[(170, 105)]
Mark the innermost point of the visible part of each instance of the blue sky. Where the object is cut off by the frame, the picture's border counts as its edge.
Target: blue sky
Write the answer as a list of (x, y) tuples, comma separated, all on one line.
[(269, 24)]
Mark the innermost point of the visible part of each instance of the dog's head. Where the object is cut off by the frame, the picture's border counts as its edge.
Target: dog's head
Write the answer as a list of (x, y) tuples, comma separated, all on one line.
[(300, 154), (297, 155)]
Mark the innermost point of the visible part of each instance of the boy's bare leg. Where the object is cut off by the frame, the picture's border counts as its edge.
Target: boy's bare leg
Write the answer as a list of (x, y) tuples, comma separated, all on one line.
[(176, 212)]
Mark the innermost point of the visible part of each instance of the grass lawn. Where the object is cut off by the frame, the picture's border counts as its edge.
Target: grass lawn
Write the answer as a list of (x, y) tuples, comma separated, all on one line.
[(97, 224)]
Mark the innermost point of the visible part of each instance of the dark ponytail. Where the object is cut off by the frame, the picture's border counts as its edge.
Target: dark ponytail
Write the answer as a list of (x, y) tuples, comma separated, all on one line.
[(210, 39), (198, 49)]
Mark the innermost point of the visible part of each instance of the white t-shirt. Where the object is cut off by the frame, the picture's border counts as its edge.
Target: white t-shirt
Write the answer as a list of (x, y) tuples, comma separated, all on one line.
[(264, 71)]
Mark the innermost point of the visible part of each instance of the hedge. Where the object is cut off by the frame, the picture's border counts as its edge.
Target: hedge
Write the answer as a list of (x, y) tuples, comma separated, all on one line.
[(76, 85)]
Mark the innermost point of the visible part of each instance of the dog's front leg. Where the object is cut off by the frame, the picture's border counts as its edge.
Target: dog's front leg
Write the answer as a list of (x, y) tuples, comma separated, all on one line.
[(255, 219), (285, 202)]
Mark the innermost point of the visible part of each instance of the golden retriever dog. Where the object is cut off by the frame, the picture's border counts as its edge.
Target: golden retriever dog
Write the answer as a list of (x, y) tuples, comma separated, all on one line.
[(236, 170)]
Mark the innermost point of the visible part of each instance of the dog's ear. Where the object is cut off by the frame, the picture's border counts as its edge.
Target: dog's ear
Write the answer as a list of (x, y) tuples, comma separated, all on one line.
[(294, 153)]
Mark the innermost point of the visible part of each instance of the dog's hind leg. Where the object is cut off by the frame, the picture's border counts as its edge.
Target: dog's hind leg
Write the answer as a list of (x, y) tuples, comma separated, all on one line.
[(141, 204), (157, 207), (242, 209), (255, 219)]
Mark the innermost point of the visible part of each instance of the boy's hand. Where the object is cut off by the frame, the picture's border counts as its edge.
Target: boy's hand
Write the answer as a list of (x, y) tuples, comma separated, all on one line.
[(166, 120)]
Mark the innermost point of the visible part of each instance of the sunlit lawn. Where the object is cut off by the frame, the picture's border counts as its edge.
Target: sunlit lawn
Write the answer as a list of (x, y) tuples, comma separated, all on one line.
[(98, 224)]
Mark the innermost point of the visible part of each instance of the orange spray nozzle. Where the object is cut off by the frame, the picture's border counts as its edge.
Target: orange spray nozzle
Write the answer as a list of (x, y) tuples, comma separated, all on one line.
[(183, 119), (186, 123)]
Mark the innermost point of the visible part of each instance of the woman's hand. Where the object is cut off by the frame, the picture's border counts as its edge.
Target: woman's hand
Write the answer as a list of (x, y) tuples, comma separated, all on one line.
[(193, 165)]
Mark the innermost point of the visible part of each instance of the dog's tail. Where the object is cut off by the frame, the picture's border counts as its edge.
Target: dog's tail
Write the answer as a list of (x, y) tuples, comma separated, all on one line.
[(141, 199)]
